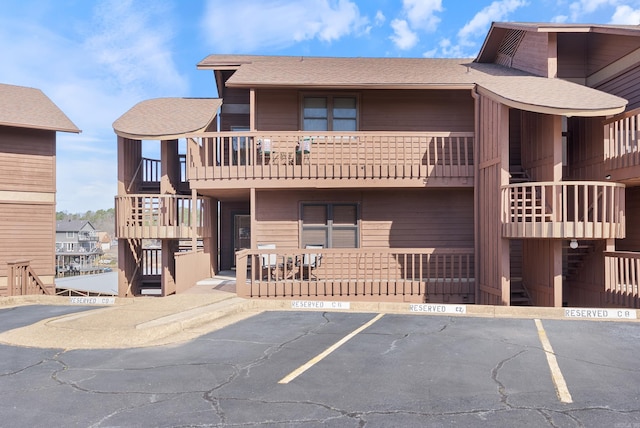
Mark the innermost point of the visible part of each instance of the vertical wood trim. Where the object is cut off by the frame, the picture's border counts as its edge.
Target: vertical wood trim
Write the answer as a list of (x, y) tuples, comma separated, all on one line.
[(552, 55), (252, 109), (556, 251), (254, 222)]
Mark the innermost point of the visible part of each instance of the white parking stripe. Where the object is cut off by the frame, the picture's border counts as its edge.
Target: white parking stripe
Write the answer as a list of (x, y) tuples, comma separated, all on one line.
[(303, 368), (556, 375)]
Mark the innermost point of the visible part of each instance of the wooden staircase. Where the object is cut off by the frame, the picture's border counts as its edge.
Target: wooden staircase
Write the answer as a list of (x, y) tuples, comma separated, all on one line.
[(573, 259)]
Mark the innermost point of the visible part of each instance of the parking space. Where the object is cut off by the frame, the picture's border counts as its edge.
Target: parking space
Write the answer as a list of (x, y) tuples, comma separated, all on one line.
[(401, 370)]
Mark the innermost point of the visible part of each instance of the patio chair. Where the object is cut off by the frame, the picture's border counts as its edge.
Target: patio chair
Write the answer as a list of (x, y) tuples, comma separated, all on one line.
[(303, 149), (264, 149), (310, 262), (268, 262)]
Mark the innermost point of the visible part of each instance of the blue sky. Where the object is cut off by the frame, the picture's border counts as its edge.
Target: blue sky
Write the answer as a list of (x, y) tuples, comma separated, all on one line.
[(96, 59)]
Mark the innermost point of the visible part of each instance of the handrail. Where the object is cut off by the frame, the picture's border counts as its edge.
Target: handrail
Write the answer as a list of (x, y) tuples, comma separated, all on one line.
[(566, 209), (621, 116), (420, 274), (23, 280), (330, 155), (622, 278), (160, 216)]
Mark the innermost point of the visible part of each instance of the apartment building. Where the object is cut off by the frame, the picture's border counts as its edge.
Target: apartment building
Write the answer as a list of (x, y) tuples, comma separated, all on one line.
[(505, 179)]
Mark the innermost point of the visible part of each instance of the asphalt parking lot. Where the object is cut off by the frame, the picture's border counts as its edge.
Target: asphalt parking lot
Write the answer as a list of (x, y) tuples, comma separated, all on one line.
[(336, 369)]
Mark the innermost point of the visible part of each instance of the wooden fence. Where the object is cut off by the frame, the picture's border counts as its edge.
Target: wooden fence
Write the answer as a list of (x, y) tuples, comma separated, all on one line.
[(410, 275)]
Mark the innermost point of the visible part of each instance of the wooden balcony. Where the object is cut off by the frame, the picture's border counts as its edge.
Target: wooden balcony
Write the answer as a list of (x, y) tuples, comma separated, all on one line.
[(622, 279), (160, 217), (578, 209), (386, 274), (622, 148), (296, 159)]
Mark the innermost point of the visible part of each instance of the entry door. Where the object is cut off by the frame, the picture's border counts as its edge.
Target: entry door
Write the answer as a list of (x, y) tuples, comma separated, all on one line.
[(241, 233)]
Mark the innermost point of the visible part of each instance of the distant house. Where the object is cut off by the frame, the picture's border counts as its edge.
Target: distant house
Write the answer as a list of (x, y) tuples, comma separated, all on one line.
[(105, 240), (29, 121), (508, 179), (77, 245)]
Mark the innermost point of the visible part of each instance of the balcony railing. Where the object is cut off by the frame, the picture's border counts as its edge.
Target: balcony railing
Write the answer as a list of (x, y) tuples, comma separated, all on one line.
[(622, 149), (160, 216), (403, 157), (407, 274), (622, 279), (577, 209), (22, 280)]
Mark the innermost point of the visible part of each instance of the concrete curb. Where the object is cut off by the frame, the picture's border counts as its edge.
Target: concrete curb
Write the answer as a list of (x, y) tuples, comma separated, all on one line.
[(151, 321)]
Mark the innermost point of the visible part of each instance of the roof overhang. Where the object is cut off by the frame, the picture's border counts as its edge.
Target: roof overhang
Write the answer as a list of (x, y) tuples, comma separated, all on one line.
[(167, 118), (552, 96)]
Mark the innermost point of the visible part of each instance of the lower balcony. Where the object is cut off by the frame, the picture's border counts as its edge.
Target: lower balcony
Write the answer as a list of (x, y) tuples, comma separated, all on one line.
[(160, 217), (578, 209), (418, 275), (622, 279), (269, 159)]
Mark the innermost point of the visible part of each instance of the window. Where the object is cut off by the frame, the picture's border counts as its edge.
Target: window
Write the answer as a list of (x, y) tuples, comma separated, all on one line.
[(329, 113), (331, 225), (71, 234)]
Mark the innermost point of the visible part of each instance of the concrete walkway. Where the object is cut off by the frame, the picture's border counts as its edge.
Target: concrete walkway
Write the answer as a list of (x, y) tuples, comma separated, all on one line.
[(208, 306)]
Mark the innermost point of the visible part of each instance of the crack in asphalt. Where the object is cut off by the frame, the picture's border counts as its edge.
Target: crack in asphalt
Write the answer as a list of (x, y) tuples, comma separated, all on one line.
[(495, 372)]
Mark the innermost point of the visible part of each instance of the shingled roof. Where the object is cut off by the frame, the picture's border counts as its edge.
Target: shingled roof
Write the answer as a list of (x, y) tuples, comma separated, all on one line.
[(167, 118), (512, 87), (24, 107)]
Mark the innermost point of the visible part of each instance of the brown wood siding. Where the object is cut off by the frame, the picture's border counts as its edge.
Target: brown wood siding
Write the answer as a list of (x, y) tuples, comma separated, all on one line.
[(538, 268), (411, 110), (416, 219), (585, 149), (492, 251), (235, 96), (389, 219), (27, 232), (389, 110), (632, 211), (604, 49), (572, 56), (532, 54), (537, 145), (625, 85), (129, 157), (278, 110), (27, 160)]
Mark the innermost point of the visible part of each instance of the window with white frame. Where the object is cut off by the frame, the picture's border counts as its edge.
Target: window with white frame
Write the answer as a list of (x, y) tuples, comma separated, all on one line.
[(332, 225)]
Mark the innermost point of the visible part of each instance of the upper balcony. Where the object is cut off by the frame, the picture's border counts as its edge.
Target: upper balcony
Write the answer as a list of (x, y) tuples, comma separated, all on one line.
[(622, 146), (567, 209), (160, 217), (231, 160)]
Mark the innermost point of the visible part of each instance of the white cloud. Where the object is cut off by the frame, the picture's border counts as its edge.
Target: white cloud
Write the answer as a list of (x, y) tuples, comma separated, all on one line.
[(585, 7), (480, 23), (626, 15), (421, 14), (254, 25), (402, 36), (380, 18), (416, 16), (135, 46), (94, 69)]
